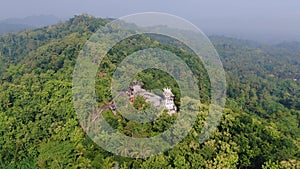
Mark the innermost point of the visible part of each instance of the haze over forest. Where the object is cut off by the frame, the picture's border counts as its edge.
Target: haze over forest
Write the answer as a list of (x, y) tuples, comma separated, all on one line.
[(267, 21)]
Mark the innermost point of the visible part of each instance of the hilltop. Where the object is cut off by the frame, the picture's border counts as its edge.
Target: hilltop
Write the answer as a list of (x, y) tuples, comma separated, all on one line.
[(260, 126)]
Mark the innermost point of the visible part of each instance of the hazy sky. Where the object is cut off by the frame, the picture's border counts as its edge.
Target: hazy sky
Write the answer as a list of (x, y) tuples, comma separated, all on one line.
[(267, 20)]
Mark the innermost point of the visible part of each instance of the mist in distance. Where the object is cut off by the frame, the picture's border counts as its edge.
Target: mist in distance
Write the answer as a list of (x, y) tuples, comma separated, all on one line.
[(269, 21)]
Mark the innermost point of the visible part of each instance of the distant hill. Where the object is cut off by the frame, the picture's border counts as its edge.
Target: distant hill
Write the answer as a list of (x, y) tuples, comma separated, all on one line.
[(8, 27), (291, 46), (30, 22)]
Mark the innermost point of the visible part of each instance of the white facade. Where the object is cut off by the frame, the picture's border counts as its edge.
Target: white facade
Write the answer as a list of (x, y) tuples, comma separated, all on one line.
[(169, 101)]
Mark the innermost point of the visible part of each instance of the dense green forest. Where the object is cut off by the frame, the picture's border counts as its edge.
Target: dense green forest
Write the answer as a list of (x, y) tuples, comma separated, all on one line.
[(260, 127)]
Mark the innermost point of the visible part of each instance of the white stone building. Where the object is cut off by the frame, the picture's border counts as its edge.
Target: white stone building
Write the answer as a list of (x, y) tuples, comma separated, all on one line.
[(169, 101)]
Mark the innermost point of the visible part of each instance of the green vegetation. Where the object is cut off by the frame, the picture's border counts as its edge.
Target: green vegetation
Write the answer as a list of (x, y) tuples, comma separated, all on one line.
[(260, 127)]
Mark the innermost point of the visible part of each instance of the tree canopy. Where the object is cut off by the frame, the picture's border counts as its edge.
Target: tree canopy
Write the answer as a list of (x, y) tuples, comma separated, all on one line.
[(260, 127)]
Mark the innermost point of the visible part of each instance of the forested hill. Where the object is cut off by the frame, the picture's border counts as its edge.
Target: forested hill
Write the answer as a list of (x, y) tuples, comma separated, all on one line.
[(260, 127)]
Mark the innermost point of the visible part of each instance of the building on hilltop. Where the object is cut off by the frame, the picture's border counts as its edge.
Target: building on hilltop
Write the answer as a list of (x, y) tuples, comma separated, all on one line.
[(157, 101), (169, 101)]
